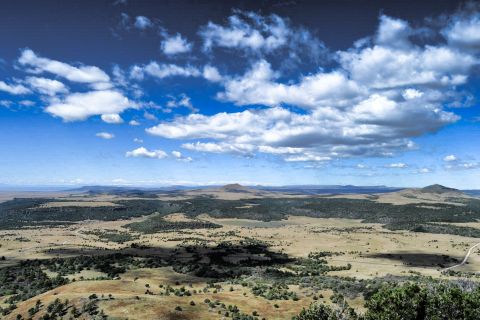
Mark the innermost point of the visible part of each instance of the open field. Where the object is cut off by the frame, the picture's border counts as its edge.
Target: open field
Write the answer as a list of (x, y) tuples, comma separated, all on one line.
[(296, 236)]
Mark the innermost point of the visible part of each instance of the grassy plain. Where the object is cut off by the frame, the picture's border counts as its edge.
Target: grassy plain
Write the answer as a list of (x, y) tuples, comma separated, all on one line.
[(371, 250)]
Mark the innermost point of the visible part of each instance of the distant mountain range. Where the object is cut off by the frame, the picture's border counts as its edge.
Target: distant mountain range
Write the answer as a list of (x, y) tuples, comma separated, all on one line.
[(235, 187), (300, 189), (329, 189)]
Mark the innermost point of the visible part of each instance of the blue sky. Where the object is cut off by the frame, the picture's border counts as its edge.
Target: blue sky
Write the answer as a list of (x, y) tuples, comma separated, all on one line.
[(155, 93)]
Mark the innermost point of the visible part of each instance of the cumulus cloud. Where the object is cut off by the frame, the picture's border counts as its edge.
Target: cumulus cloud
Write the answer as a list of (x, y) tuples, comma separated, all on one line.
[(80, 73), (463, 165), (142, 152), (393, 32), (142, 23), (450, 158), (343, 117), (257, 34), (212, 74), (180, 157), (105, 135), (463, 29), (181, 101), (212, 147), (245, 31), (80, 106), (15, 89), (46, 86), (397, 165), (410, 93), (318, 135), (382, 67), (453, 162), (161, 71), (149, 116), (175, 44), (26, 103), (112, 118), (382, 94), (134, 123), (258, 86), (307, 157)]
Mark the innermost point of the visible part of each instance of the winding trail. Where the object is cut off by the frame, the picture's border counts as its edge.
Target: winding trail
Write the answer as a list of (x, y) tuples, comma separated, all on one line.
[(469, 252)]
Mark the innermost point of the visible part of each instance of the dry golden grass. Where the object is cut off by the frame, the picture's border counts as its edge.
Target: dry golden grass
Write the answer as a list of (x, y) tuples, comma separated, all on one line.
[(132, 285)]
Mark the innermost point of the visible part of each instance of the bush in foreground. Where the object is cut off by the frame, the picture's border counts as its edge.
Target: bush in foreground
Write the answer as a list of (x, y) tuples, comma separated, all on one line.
[(409, 301)]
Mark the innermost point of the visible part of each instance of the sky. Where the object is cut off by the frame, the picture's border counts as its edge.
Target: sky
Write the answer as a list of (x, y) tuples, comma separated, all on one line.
[(161, 93)]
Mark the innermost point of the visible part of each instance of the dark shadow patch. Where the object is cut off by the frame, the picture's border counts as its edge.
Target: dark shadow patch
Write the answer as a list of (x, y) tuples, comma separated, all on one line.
[(415, 259), (224, 260)]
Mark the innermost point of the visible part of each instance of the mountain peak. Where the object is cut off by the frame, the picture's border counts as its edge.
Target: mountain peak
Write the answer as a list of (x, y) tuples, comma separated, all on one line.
[(438, 188)]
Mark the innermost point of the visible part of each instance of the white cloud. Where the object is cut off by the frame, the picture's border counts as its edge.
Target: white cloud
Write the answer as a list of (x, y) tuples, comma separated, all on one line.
[(15, 89), (211, 74), (46, 86), (450, 158), (256, 34), (463, 29), (393, 32), (105, 135), (257, 86), (380, 96), (142, 152), (163, 71), (182, 101), (134, 123), (137, 140), (244, 149), (241, 33), (375, 126), (398, 165), (307, 157), (462, 165), (27, 103), (80, 106), (381, 67), (113, 118), (469, 165), (149, 116), (409, 94), (180, 157), (424, 170), (455, 163), (175, 44), (280, 150), (289, 154), (142, 23), (82, 74), (177, 154)]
